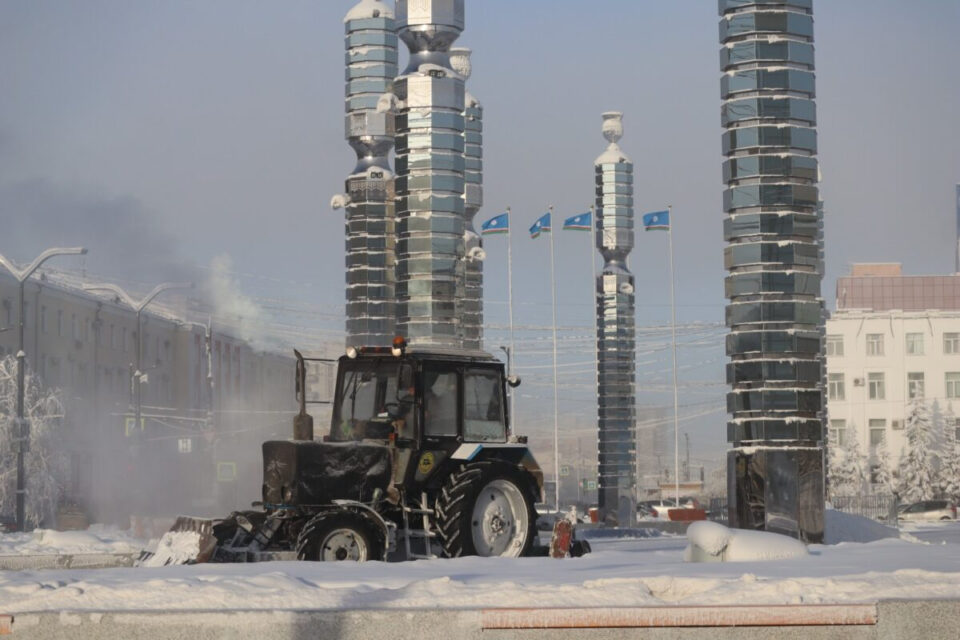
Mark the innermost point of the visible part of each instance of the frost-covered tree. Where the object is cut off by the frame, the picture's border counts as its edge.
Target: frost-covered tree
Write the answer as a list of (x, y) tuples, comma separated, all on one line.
[(916, 469), (949, 480), (45, 463), (848, 468), (882, 471)]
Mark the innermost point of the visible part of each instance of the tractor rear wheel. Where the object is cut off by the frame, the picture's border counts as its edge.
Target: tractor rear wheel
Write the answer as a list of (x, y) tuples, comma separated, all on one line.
[(338, 536), (486, 509)]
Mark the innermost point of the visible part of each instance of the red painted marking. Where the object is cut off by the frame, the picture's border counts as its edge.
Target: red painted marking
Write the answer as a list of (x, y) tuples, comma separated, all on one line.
[(6, 625)]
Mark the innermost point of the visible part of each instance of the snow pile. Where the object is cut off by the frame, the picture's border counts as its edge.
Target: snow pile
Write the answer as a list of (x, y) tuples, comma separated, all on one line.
[(846, 527), (175, 547), (97, 539), (713, 542)]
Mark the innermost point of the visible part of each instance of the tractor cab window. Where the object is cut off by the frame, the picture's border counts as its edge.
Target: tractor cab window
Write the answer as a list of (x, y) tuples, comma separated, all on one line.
[(440, 402), (367, 393), (483, 419)]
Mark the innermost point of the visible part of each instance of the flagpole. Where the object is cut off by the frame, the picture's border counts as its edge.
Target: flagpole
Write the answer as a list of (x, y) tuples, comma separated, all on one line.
[(513, 352), (556, 424), (673, 334)]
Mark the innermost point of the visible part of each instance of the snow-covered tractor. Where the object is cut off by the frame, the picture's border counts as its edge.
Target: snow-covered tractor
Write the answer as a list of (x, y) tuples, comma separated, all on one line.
[(419, 462)]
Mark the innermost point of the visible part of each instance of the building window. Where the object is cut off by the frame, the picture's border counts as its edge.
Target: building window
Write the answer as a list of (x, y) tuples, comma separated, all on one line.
[(953, 384), (835, 387), (915, 385), (60, 323), (914, 344), (7, 314), (874, 344), (834, 345), (126, 346), (875, 381), (185, 445), (74, 327), (878, 432), (113, 337), (43, 319), (838, 432), (951, 343)]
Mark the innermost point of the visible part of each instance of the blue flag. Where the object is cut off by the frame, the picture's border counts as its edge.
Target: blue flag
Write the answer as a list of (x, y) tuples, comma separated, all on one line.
[(542, 224), (579, 222), (656, 220), (496, 224)]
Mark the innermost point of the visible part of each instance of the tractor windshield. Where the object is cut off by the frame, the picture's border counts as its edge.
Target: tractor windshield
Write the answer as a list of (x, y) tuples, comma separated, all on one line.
[(365, 397)]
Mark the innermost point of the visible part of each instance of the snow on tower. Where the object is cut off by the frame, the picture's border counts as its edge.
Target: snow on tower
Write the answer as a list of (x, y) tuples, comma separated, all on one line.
[(371, 60), (775, 469), (430, 175), (472, 303), (616, 319)]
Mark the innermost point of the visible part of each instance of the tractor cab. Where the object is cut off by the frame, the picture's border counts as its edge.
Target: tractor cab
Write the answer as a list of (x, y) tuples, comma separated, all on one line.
[(424, 404)]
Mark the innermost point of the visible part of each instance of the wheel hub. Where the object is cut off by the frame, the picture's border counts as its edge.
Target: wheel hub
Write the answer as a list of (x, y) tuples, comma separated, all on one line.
[(341, 545), (500, 520)]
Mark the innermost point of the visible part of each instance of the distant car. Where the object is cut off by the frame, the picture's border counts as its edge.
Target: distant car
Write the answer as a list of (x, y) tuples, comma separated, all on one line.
[(7, 525), (927, 511)]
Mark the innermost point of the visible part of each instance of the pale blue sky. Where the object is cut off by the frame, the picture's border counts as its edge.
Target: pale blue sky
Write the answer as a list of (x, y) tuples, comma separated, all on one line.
[(217, 127)]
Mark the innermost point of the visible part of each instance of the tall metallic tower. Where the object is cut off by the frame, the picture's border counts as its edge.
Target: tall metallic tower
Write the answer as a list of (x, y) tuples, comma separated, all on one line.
[(430, 175), (371, 60), (616, 321), (472, 303), (775, 468)]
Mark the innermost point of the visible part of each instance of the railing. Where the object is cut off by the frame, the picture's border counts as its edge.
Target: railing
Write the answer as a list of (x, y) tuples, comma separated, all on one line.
[(874, 507)]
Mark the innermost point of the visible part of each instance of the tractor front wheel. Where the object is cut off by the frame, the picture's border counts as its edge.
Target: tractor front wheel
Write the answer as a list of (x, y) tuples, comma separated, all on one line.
[(486, 509), (339, 536)]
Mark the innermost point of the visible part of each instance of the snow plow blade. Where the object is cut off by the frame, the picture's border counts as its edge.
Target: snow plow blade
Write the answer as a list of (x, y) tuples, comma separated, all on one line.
[(189, 541)]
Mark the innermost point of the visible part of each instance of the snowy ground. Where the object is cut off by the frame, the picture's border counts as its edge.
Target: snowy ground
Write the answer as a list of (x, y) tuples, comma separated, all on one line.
[(635, 572), (96, 539)]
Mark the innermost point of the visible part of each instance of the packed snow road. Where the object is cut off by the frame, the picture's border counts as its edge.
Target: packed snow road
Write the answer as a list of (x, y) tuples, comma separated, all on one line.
[(621, 573)]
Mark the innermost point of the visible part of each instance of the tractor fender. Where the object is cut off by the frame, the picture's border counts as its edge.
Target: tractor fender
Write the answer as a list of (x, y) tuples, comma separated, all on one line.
[(517, 454), (386, 529)]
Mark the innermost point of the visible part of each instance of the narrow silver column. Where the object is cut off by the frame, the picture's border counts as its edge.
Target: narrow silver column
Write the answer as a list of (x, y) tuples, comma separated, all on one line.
[(616, 333), (430, 175), (472, 302), (371, 61)]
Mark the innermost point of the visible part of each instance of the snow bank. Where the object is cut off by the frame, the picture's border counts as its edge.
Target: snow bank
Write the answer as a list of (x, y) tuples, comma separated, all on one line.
[(713, 542), (96, 539), (175, 547), (846, 527)]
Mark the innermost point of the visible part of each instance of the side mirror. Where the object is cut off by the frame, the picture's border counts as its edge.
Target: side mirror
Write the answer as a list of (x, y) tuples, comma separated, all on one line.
[(513, 381)]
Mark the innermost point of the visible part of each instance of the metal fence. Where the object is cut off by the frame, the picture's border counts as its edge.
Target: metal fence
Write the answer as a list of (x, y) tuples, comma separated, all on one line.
[(873, 507), (882, 508)]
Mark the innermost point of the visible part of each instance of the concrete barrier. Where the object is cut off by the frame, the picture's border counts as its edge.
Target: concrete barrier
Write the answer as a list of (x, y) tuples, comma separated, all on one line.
[(890, 620)]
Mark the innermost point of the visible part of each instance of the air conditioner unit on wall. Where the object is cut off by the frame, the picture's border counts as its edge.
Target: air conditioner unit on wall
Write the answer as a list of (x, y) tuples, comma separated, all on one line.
[(858, 382)]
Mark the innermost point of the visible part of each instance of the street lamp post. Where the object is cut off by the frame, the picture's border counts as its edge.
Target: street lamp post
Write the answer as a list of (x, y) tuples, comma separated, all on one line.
[(138, 306), (22, 426), (509, 352)]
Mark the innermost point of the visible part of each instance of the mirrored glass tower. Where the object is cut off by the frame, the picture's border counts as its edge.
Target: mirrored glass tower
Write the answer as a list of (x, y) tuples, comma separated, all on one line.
[(775, 469), (472, 303), (371, 60), (616, 333), (430, 175)]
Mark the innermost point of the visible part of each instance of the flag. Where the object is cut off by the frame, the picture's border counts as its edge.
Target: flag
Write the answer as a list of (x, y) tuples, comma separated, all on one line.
[(496, 224), (579, 222), (656, 220), (542, 224)]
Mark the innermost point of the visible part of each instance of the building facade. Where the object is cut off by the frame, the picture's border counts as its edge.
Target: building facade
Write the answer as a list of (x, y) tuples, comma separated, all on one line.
[(892, 338), (209, 400), (772, 256)]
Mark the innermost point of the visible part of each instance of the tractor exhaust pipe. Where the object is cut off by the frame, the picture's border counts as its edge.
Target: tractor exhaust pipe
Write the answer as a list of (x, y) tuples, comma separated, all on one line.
[(303, 421)]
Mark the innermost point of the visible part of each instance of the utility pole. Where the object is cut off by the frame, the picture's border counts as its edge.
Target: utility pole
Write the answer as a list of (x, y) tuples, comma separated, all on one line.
[(22, 425), (686, 464)]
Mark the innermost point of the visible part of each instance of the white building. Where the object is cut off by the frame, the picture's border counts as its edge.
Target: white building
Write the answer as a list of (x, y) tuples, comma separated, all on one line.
[(892, 337)]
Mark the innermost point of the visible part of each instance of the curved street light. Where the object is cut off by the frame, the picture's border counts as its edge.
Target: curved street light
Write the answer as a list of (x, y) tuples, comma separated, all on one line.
[(22, 431), (138, 306)]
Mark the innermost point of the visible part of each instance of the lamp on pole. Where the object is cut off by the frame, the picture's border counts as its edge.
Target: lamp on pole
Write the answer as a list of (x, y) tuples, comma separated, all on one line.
[(22, 430), (138, 306)]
